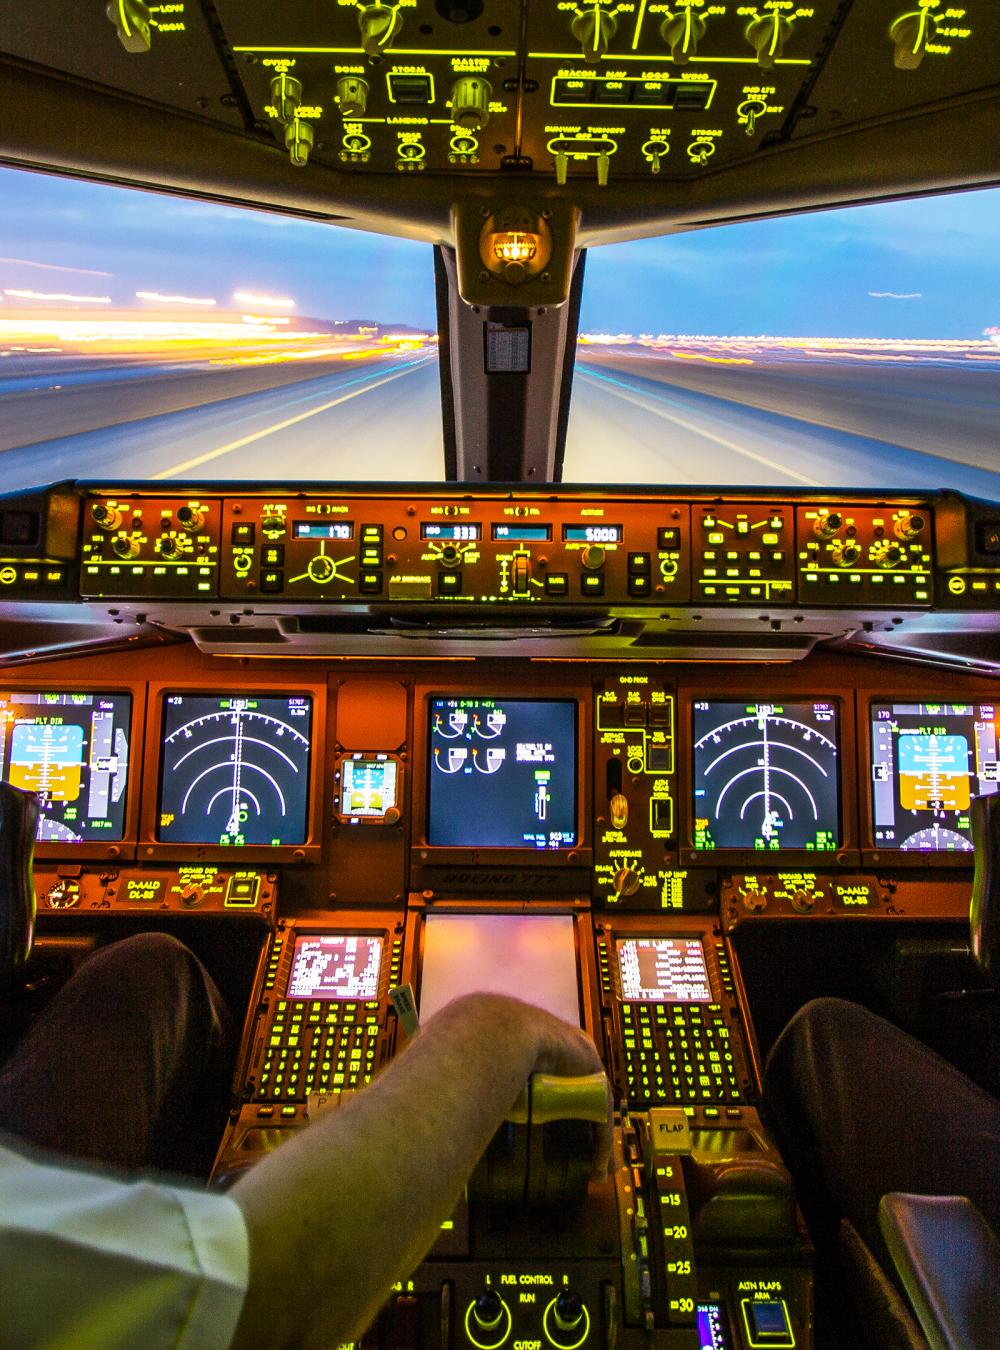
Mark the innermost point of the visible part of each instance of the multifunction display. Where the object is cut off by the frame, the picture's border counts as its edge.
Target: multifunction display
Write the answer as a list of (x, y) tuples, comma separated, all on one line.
[(766, 776), (336, 966), (234, 771), (72, 751), (502, 773), (928, 762), (663, 970)]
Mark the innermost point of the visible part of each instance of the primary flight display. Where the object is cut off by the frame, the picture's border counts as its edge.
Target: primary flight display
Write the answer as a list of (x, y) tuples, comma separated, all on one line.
[(72, 750)]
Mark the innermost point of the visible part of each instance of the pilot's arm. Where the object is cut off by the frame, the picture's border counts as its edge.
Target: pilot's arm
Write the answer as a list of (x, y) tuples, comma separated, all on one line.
[(356, 1201)]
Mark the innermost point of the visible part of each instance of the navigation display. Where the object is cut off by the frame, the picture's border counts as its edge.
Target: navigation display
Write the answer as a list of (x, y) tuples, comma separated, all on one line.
[(234, 771), (336, 966), (529, 956), (766, 776), (663, 970), (72, 751), (928, 762), (502, 773)]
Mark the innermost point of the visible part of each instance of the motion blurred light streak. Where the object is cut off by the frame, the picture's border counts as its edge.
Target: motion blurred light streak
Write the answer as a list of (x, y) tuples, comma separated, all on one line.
[(173, 299), (263, 301), (60, 295)]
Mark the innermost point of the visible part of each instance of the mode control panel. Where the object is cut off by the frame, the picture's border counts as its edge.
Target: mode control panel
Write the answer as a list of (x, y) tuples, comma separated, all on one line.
[(572, 549)]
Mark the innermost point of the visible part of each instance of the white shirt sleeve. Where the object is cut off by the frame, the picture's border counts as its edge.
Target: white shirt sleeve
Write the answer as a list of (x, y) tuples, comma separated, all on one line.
[(90, 1260)]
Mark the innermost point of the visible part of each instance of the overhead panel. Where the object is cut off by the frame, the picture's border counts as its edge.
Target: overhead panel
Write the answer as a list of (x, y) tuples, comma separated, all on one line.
[(610, 89), (180, 67)]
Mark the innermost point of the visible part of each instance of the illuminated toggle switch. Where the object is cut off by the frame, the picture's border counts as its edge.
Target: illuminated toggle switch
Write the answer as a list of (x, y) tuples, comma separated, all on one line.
[(380, 26), (767, 36), (594, 29), (682, 32), (603, 168), (562, 168), (352, 95), (131, 21)]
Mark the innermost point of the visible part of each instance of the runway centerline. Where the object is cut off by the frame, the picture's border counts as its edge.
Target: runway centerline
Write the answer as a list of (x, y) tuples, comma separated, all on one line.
[(367, 382), (648, 403)]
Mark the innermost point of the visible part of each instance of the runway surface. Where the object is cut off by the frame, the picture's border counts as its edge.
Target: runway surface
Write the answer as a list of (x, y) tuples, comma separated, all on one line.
[(640, 420)]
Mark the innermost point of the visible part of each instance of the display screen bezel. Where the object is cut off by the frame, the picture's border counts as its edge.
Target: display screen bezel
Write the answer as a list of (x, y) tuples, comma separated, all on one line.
[(874, 851), (491, 866), (511, 853), (770, 860), (304, 935), (125, 847), (152, 847)]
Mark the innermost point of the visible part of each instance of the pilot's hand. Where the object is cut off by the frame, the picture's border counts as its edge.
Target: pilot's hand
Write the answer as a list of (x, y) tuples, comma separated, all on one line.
[(554, 1046)]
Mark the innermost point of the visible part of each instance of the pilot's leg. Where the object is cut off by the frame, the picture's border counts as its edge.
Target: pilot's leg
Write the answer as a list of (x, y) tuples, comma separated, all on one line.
[(127, 1065), (861, 1108)]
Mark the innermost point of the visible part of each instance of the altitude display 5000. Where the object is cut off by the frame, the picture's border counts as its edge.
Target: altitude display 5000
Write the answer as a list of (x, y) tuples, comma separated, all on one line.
[(234, 771)]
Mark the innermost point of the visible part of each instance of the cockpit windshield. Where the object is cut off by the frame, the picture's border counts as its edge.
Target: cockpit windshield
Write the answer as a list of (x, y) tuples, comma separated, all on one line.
[(152, 336)]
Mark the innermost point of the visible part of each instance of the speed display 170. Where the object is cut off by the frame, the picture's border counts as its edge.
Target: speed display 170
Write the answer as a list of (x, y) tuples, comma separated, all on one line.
[(765, 776), (234, 771)]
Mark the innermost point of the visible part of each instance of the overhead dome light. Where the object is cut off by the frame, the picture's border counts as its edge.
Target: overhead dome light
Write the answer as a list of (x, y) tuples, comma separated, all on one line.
[(515, 244)]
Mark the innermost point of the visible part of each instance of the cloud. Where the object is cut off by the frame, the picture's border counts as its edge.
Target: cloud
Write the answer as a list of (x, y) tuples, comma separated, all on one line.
[(896, 295)]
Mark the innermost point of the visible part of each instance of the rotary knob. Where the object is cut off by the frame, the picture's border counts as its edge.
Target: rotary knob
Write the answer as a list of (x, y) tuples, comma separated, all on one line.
[(682, 32), (767, 36), (804, 902), (286, 95), (826, 526), (910, 35), (352, 95), (379, 26), (626, 881), (592, 557), (299, 140), (470, 102), (753, 900), (848, 554), (169, 547), (192, 895), (568, 1311), (132, 24), (191, 518), (889, 555), (105, 517), (594, 29), (126, 546), (908, 525)]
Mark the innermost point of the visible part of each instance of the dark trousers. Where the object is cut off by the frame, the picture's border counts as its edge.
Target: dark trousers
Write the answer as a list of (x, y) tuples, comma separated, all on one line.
[(861, 1108), (128, 1063)]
